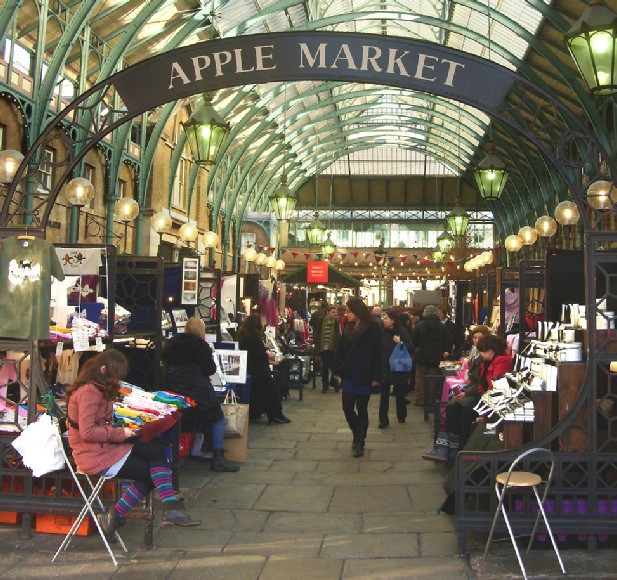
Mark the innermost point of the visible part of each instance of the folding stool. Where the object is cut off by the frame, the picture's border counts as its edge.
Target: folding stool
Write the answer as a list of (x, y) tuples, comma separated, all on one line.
[(89, 498), (517, 480)]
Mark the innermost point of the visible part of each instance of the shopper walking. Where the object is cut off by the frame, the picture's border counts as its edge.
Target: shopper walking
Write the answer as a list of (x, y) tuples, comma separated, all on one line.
[(100, 448), (357, 364), (393, 333), (326, 343)]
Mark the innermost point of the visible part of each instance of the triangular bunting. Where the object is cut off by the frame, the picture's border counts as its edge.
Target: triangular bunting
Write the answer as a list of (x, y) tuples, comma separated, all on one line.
[(319, 256), (391, 259), (378, 259), (343, 256), (355, 254), (294, 254), (366, 255), (307, 255), (403, 259), (284, 251)]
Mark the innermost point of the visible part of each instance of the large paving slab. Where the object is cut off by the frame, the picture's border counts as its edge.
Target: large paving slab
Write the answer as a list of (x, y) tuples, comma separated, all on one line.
[(300, 508)]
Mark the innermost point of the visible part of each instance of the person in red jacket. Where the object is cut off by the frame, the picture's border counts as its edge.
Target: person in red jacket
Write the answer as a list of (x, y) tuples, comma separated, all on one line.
[(101, 448), (495, 362)]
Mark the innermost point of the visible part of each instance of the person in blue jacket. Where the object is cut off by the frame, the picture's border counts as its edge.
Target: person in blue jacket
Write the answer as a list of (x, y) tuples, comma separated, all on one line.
[(357, 367)]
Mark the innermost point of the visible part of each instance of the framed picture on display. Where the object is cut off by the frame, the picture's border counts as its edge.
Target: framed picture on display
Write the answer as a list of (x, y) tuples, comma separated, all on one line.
[(190, 274), (232, 364)]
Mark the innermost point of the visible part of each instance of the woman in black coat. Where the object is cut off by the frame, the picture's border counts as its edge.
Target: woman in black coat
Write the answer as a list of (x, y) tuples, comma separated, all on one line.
[(189, 363), (264, 396), (392, 335), (357, 365)]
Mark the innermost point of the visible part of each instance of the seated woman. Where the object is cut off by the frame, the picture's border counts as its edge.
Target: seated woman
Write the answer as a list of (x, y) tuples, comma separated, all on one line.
[(264, 397), (189, 364), (100, 448), (491, 361)]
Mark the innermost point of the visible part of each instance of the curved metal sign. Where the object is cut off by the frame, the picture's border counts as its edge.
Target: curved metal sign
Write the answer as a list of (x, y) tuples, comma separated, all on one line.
[(326, 56)]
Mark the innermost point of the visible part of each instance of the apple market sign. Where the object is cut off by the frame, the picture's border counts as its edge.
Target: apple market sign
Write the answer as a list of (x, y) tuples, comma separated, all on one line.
[(320, 56)]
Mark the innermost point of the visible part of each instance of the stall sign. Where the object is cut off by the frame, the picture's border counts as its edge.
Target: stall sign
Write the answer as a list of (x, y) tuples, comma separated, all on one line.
[(317, 272)]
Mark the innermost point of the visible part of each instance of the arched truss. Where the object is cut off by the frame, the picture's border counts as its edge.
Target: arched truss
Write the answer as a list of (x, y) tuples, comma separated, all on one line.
[(435, 22)]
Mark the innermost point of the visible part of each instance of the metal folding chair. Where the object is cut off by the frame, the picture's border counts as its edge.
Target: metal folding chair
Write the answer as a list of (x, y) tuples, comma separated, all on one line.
[(89, 498), (517, 481)]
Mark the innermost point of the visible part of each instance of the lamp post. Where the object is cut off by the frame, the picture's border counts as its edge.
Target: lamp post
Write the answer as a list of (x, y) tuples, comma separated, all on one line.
[(161, 224), (79, 191), (126, 210), (206, 132), (591, 42)]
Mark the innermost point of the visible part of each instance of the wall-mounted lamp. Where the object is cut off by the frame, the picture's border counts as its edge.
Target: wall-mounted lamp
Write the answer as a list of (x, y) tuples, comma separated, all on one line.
[(126, 210), (528, 235), (546, 226), (601, 194), (566, 213), (10, 160), (188, 232), (79, 192), (161, 224)]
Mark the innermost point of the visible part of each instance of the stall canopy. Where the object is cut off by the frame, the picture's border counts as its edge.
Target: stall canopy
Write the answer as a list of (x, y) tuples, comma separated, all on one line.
[(334, 277)]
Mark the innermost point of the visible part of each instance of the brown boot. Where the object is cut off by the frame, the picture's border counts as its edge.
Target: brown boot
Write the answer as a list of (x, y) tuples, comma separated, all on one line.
[(174, 514)]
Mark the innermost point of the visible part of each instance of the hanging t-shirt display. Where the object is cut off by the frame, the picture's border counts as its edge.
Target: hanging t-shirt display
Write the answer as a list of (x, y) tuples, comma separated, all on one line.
[(79, 260), (26, 268)]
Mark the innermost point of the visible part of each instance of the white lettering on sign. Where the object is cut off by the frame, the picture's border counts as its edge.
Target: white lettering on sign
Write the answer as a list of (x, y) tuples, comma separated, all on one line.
[(219, 60), (335, 56), (427, 67)]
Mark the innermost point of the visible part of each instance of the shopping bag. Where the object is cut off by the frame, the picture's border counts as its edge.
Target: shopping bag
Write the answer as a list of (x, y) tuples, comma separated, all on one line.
[(236, 415), (40, 446), (400, 359)]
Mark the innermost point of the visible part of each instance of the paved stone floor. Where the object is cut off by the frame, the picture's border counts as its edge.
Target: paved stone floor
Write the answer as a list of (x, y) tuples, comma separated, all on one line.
[(302, 507)]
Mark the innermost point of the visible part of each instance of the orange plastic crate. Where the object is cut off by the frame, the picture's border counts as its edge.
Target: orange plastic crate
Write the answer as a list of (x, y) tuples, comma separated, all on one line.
[(10, 517), (61, 524)]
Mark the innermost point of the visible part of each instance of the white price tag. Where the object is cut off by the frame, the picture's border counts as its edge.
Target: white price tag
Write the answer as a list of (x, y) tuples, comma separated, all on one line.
[(80, 340), (59, 349), (100, 347)]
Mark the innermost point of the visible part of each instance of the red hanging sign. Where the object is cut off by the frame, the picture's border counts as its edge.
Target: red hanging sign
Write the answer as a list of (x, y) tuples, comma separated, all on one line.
[(317, 272)]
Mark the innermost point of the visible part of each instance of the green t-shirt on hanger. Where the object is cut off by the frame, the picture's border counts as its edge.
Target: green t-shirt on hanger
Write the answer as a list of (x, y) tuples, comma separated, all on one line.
[(26, 268)]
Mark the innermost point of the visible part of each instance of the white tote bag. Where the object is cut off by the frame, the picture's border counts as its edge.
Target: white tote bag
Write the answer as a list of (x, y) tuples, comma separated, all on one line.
[(40, 446)]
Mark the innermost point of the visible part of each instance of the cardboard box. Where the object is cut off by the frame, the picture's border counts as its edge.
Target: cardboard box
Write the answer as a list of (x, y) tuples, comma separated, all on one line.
[(61, 524), (235, 447), (10, 517)]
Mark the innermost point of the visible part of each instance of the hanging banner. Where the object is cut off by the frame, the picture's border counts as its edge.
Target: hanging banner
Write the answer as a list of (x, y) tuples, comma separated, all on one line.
[(317, 272)]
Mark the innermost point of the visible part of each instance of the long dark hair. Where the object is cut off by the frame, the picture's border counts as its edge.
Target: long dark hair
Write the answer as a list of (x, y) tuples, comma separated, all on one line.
[(398, 325), (360, 309), (252, 326), (492, 342), (116, 367)]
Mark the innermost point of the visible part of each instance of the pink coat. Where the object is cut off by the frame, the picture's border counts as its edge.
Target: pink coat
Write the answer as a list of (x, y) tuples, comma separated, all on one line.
[(96, 444)]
